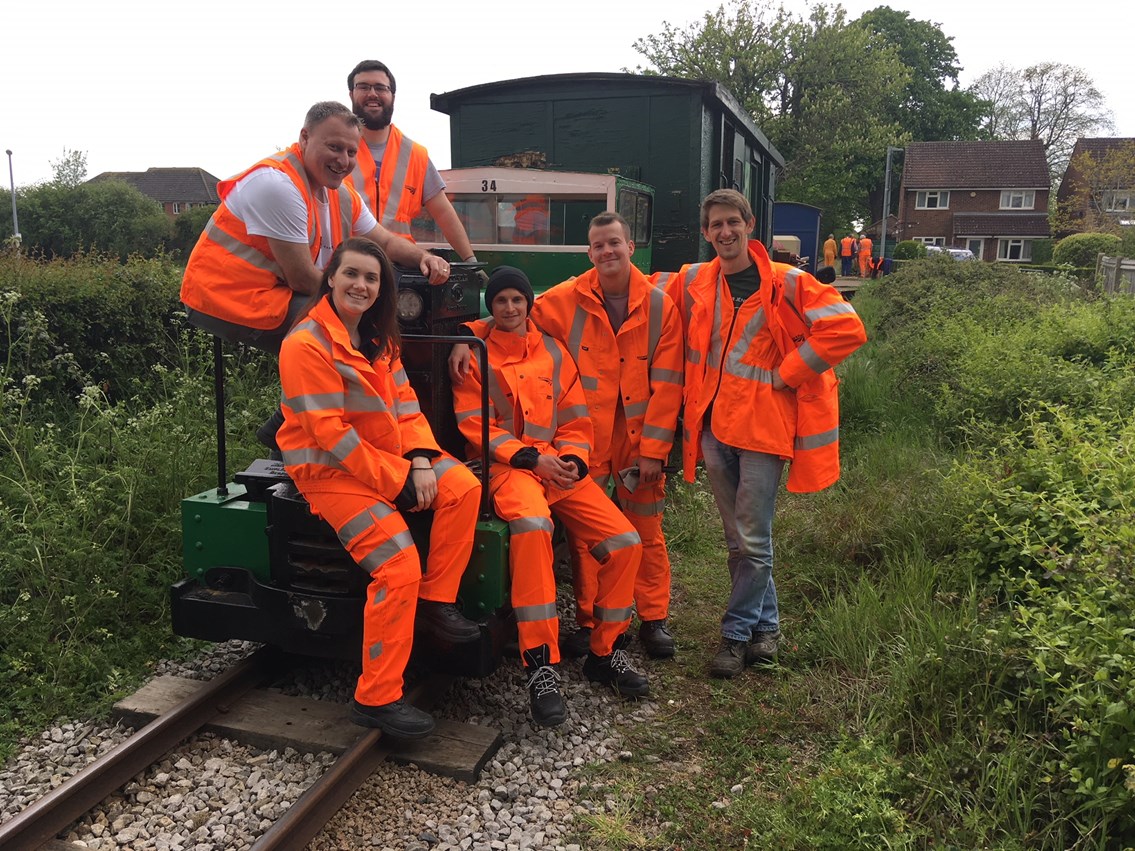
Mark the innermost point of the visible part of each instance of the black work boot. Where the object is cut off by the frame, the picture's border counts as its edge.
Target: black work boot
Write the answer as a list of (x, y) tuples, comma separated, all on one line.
[(656, 639), (444, 621), (616, 671), (576, 645), (763, 648), (730, 658), (544, 696), (398, 719)]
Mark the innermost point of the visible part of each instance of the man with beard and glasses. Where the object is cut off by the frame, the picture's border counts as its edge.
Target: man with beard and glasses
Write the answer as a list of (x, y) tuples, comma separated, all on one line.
[(394, 173)]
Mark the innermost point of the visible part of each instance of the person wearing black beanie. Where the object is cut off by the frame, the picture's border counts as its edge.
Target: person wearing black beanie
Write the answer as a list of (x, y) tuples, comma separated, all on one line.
[(505, 278)]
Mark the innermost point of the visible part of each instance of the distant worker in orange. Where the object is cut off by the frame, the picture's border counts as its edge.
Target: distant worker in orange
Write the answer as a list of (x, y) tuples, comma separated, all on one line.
[(846, 254), (540, 438), (830, 250), (393, 172), (359, 449), (865, 265), (531, 224)]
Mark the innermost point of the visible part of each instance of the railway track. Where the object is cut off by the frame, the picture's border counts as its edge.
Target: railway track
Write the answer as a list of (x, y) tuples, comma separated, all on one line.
[(37, 826)]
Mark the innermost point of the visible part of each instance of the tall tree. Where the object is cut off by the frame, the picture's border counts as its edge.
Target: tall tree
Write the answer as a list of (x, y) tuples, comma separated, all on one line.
[(69, 170), (1100, 193), (1050, 101)]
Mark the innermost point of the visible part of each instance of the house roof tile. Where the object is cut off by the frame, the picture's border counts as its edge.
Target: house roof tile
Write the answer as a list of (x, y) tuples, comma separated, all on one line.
[(193, 185), (975, 165), (1001, 224)]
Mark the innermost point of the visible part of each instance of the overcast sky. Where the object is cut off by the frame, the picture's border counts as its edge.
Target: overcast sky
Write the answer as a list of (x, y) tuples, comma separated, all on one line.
[(222, 84)]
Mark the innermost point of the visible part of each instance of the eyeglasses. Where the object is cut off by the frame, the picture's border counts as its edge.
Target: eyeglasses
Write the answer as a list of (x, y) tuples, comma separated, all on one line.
[(377, 88)]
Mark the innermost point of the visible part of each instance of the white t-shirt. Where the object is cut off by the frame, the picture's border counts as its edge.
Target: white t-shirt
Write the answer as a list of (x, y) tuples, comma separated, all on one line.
[(270, 205)]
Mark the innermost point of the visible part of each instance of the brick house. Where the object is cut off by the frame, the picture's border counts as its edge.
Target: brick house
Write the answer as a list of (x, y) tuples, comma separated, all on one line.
[(176, 189), (1084, 206), (989, 197)]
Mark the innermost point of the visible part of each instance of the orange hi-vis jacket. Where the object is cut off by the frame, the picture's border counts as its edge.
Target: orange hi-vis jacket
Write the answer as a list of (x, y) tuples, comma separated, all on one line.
[(792, 323), (394, 192), (233, 275), (347, 422), (535, 399), (865, 246), (846, 246)]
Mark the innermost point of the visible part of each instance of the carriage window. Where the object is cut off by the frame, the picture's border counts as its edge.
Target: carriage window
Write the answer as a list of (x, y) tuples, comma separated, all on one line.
[(514, 219), (635, 207)]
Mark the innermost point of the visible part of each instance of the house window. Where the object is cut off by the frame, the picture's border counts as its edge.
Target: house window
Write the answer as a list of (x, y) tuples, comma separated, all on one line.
[(1018, 250), (175, 208), (1118, 202), (931, 240), (977, 246), (1018, 199), (932, 199)]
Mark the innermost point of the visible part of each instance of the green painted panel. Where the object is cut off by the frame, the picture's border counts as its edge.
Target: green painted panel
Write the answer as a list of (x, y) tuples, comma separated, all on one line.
[(485, 586), (224, 531)]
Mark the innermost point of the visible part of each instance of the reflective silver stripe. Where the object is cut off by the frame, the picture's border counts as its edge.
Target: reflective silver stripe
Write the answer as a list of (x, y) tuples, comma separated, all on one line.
[(296, 457), (444, 464), (400, 377), (500, 402), (315, 402), (540, 612), (693, 356), (557, 367), (828, 310), (297, 166), (815, 441), (464, 415), (539, 432), (733, 365), (347, 444), (379, 596), (589, 382), (810, 357), (575, 336), (791, 284), (241, 250), (670, 376), (616, 542), (397, 184), (530, 524), (656, 433), (644, 509), (375, 650), (387, 550), (564, 444), (612, 615), (655, 332), (363, 521), (346, 210), (663, 279), (359, 181), (317, 334), (716, 344), (691, 273), (573, 412), (398, 227), (500, 440), (635, 409), (406, 408)]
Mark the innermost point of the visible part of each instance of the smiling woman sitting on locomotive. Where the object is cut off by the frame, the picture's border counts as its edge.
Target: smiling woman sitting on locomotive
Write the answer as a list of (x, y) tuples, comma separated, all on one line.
[(360, 451)]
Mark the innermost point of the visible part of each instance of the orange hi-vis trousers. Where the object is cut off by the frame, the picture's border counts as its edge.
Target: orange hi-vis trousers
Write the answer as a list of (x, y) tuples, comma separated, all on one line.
[(522, 501), (376, 536)]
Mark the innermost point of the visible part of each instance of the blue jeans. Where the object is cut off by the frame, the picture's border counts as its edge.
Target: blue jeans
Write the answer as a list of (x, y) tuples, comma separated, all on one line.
[(745, 485)]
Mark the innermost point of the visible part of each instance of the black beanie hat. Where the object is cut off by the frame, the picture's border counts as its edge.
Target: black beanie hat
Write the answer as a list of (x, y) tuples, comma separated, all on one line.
[(507, 278)]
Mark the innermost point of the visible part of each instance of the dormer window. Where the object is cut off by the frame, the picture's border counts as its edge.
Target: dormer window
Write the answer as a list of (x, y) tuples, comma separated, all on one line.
[(932, 199), (1018, 199)]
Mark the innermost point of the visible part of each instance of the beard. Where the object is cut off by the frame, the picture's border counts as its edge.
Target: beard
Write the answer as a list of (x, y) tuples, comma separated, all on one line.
[(371, 121)]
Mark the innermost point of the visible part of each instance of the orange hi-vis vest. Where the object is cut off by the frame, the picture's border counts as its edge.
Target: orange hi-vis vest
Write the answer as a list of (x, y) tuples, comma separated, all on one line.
[(395, 195), (639, 368), (865, 246), (846, 246), (535, 399), (233, 275), (348, 422), (794, 324)]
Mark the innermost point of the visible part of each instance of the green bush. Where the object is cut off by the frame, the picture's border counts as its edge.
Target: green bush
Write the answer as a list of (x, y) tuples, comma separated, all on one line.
[(908, 249), (1042, 252), (1081, 249), (187, 228)]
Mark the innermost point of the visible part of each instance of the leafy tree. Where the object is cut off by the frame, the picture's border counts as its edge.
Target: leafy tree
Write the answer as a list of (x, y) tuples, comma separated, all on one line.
[(70, 170), (823, 90), (1099, 186), (1049, 101), (110, 217)]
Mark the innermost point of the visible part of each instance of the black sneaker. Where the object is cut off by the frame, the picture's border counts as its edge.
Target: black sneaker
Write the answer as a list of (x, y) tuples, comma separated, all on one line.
[(730, 658), (444, 621), (762, 648), (399, 719), (656, 639), (576, 645), (546, 701), (616, 671)]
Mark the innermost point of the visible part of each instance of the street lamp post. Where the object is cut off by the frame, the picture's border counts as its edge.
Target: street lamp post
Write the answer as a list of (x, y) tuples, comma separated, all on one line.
[(12, 183)]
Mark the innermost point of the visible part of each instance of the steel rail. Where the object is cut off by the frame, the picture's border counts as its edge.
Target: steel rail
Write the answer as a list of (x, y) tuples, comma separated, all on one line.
[(41, 822)]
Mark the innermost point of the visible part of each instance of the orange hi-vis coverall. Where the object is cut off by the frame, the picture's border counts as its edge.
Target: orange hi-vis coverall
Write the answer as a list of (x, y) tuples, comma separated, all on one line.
[(633, 384), (865, 246), (793, 323), (830, 249), (232, 275), (535, 399), (348, 425), (394, 192)]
